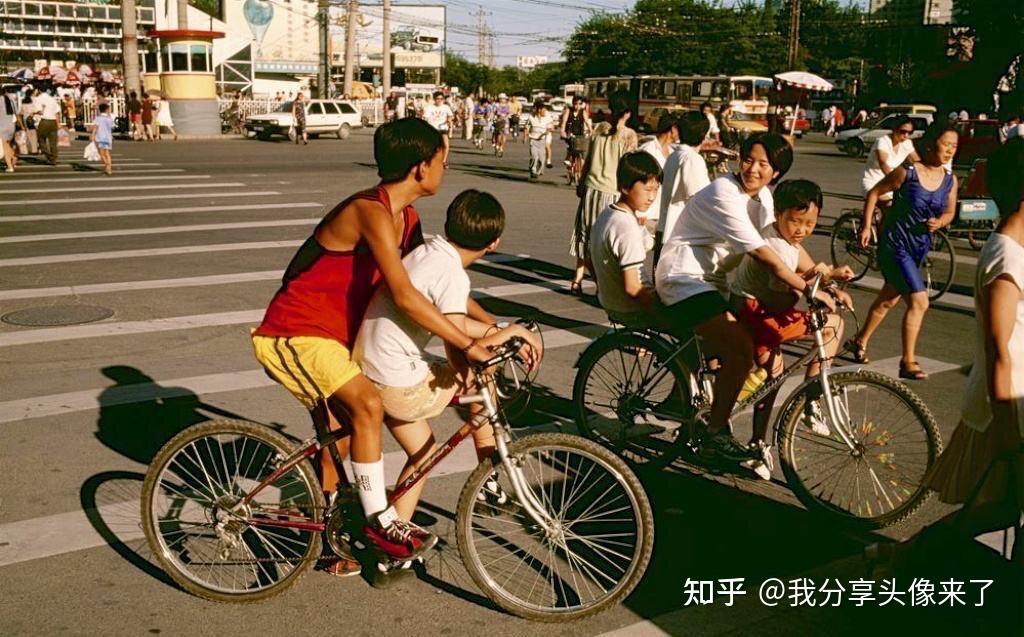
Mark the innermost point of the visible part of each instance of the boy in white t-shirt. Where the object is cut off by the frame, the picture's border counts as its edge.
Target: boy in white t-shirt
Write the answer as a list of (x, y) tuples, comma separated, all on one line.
[(766, 306), (390, 347)]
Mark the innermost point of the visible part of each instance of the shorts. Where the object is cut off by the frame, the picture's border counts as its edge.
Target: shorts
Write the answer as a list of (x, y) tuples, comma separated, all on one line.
[(499, 126), (424, 400), (311, 367), (696, 310), (767, 330), (133, 117), (104, 145)]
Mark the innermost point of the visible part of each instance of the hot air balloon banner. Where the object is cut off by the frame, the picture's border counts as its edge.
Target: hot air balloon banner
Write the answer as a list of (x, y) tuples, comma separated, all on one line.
[(258, 15)]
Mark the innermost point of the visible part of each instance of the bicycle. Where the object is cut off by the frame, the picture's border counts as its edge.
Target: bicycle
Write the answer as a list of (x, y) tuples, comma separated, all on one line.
[(553, 527), (635, 393), (937, 270)]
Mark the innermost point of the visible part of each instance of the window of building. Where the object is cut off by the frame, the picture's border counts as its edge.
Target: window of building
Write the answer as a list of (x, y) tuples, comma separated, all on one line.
[(176, 57), (200, 54)]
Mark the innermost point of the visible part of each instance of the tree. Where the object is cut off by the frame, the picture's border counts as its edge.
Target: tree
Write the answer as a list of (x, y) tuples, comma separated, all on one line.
[(998, 30)]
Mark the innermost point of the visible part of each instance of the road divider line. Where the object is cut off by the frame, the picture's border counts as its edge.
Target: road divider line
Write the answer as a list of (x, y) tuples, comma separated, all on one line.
[(191, 195), (128, 232), (204, 385), (223, 184), (101, 179), (159, 211), (152, 252)]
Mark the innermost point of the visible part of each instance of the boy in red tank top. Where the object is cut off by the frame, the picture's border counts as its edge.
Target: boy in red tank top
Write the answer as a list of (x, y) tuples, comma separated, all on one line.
[(306, 338)]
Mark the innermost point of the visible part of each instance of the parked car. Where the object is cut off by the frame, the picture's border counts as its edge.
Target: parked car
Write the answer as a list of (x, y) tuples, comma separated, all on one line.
[(978, 138), (855, 142), (323, 117)]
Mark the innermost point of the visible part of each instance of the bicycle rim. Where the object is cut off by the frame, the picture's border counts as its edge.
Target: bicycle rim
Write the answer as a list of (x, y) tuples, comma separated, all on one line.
[(939, 266), (631, 399), (896, 442), (602, 537), (845, 246), (202, 534)]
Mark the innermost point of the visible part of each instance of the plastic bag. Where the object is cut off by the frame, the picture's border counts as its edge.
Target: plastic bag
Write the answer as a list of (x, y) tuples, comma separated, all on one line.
[(63, 138), (21, 140), (91, 152)]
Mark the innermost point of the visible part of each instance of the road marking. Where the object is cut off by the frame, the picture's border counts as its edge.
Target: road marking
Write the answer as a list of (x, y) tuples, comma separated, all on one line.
[(28, 191), (128, 286), (160, 211), (193, 195), (93, 174), (102, 179), (84, 400), (159, 230), (78, 165), (949, 298), (152, 252)]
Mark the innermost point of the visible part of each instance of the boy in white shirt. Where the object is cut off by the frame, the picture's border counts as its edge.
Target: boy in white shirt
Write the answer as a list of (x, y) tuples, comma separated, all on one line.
[(390, 347), (686, 173), (766, 306)]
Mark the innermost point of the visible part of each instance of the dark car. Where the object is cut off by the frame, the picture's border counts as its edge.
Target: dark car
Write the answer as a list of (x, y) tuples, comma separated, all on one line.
[(978, 138)]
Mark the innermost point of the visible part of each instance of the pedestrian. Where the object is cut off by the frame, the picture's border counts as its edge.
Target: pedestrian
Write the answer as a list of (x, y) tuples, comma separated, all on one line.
[(70, 112), (598, 188), (686, 174), (575, 129), (8, 117), (299, 119), (713, 130), (982, 466), (49, 123), (666, 136), (537, 127), (826, 118), (103, 136), (888, 153), (147, 116), (964, 115), (515, 115), (926, 203), (163, 118), (727, 133), (391, 107), (135, 116), (440, 116), (468, 105)]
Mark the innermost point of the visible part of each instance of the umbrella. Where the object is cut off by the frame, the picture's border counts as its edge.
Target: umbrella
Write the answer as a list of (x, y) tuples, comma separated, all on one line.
[(72, 79), (84, 70), (22, 75), (43, 74), (155, 92), (806, 82), (58, 74)]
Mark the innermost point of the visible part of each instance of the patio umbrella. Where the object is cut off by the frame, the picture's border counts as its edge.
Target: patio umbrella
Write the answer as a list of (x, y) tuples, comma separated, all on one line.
[(72, 79), (43, 74), (805, 82), (22, 75), (84, 70), (58, 74)]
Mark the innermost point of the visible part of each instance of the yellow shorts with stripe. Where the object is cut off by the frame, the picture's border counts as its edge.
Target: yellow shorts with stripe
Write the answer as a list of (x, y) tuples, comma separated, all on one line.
[(310, 367)]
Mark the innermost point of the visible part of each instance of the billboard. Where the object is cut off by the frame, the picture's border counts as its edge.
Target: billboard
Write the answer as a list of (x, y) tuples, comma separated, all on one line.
[(417, 37), (530, 61)]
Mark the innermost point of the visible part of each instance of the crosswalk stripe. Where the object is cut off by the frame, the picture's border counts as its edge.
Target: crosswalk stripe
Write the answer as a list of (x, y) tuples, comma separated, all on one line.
[(83, 400), (191, 195), (77, 165), (224, 184), (159, 230), (100, 178), (92, 175), (197, 321), (128, 286), (151, 252), (158, 211), (949, 298)]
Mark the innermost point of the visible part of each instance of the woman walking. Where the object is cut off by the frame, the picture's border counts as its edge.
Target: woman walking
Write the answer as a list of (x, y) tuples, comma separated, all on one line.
[(147, 116), (925, 202), (8, 117), (299, 119), (597, 189), (163, 118), (537, 127)]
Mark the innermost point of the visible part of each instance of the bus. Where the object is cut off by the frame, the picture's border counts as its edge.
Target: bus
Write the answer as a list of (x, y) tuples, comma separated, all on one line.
[(656, 94)]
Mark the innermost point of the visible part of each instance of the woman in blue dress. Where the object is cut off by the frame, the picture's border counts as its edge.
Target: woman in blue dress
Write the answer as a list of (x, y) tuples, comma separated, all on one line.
[(925, 202)]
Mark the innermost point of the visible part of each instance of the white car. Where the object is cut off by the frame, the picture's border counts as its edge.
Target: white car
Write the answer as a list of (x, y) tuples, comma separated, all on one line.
[(323, 117), (855, 142)]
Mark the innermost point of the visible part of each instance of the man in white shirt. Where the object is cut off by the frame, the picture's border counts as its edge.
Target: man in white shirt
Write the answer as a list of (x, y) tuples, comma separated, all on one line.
[(709, 113), (686, 173), (888, 153), (666, 135), (440, 116), (49, 123)]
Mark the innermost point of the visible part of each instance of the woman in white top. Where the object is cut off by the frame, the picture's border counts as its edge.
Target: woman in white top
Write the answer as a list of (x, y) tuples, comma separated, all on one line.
[(889, 153), (538, 125), (163, 118)]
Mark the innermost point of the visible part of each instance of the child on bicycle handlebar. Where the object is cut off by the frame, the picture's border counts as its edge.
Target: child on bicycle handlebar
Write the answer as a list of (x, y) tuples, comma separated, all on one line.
[(766, 305), (390, 347)]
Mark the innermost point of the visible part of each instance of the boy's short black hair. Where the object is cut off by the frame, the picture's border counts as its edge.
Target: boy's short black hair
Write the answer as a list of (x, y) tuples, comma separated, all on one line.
[(693, 128), (620, 103), (1004, 175), (400, 145), (104, 107), (666, 123), (474, 220), (780, 153), (438, 94), (797, 194), (636, 166)]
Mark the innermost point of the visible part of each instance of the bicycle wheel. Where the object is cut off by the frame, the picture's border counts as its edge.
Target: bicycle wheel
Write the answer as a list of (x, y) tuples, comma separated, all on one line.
[(596, 549), (631, 395), (845, 245), (881, 481), (200, 534), (939, 266)]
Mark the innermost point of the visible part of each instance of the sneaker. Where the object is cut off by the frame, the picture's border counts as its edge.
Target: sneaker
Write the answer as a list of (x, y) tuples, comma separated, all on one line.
[(722, 446), (761, 463), (492, 493), (815, 420), (400, 540)]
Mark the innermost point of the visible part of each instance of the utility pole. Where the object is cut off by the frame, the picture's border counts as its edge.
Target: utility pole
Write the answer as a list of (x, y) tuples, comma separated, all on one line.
[(323, 76), (351, 16), (385, 71), (130, 47), (182, 14), (482, 55), (794, 32)]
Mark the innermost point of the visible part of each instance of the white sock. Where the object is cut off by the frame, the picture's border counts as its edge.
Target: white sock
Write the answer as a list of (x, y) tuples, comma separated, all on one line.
[(369, 483)]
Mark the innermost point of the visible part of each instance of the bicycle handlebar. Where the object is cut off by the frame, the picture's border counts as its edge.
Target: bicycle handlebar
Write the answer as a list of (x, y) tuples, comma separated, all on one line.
[(510, 348)]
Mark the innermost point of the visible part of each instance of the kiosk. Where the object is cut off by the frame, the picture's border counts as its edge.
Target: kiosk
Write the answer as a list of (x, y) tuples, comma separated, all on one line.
[(181, 67)]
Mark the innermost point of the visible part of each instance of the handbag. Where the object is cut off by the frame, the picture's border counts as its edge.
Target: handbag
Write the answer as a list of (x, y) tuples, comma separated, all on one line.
[(63, 138), (91, 153)]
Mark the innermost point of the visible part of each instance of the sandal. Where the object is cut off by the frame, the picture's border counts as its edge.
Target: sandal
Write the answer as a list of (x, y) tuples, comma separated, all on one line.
[(341, 567), (858, 352), (912, 371), (576, 288)]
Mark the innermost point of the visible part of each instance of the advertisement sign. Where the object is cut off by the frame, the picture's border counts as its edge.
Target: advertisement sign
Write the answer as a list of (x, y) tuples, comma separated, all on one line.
[(530, 61), (417, 35)]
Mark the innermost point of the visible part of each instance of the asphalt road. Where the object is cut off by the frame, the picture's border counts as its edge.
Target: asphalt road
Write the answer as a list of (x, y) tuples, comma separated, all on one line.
[(182, 249)]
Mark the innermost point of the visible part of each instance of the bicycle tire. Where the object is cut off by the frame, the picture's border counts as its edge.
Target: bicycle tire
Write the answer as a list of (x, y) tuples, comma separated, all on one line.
[(790, 419), (845, 248), (936, 277), (641, 520), (251, 431), (641, 448)]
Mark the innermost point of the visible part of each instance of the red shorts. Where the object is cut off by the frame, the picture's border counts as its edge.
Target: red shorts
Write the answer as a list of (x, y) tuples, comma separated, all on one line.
[(768, 330)]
